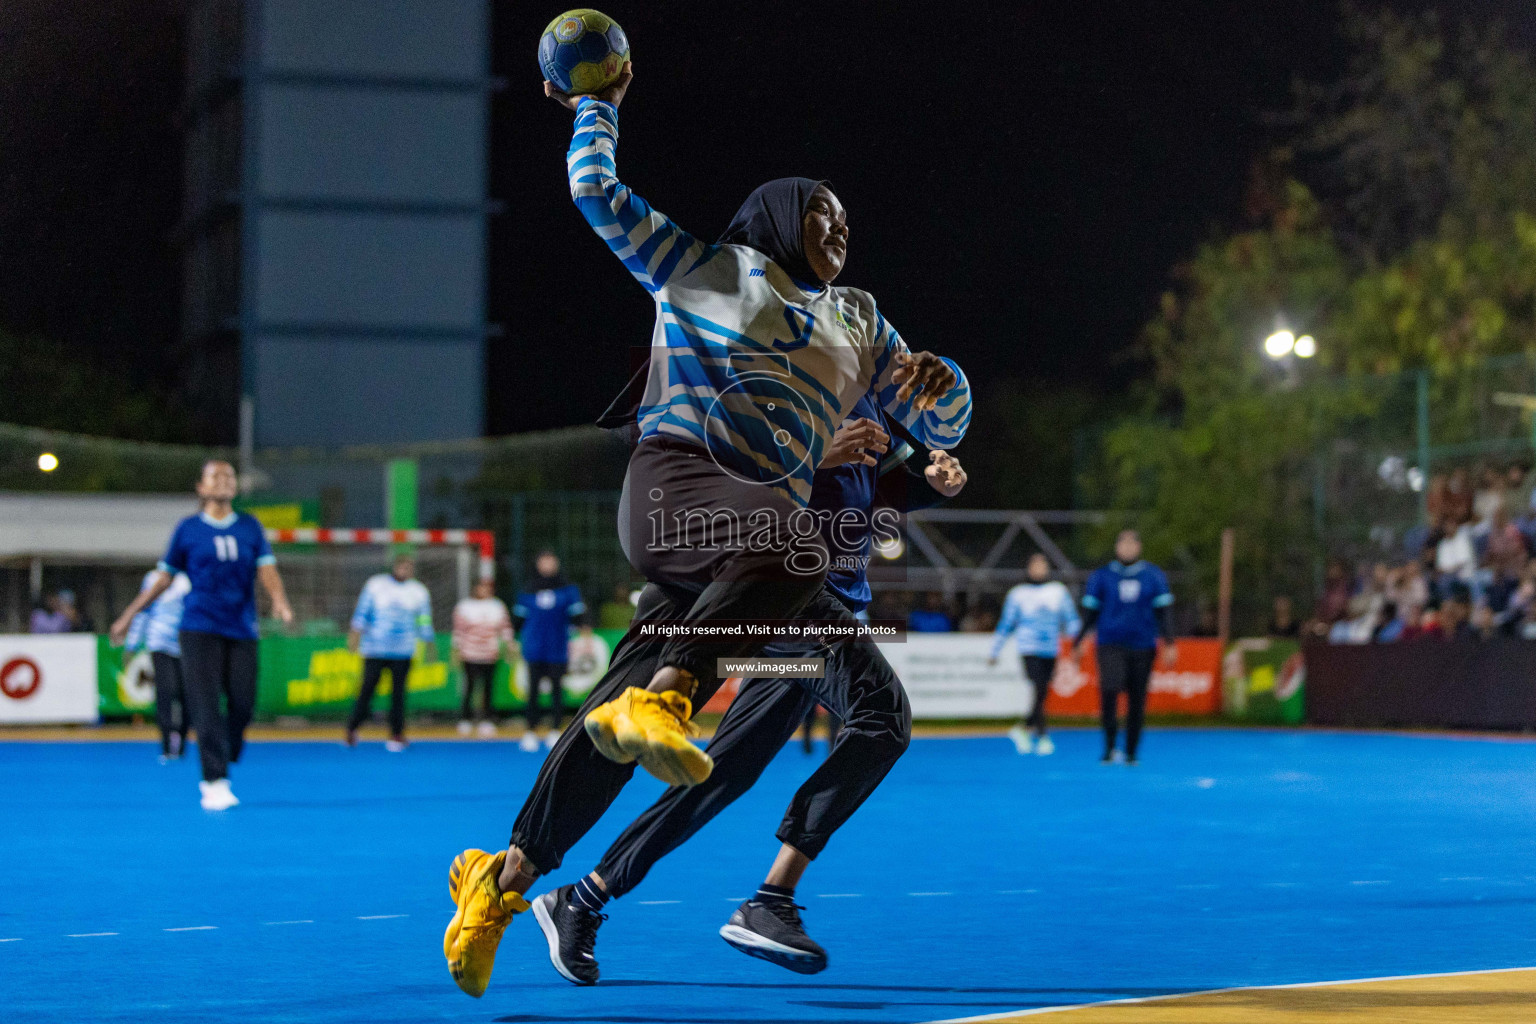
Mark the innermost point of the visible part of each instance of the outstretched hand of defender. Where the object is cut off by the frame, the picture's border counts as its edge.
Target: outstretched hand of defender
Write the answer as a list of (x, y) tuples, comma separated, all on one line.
[(613, 94), (924, 375), (854, 442), (945, 474)]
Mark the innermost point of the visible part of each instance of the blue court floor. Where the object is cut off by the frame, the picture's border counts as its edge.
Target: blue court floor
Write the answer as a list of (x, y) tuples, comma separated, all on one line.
[(975, 881)]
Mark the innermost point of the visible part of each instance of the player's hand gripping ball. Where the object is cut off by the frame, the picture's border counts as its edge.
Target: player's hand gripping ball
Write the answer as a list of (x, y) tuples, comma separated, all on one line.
[(583, 52)]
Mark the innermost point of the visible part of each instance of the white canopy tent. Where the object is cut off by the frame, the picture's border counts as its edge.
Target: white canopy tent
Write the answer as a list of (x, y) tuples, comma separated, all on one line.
[(87, 529)]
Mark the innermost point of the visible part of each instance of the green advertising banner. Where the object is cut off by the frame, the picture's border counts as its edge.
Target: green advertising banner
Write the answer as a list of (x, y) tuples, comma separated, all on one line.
[(317, 677), (1264, 681)]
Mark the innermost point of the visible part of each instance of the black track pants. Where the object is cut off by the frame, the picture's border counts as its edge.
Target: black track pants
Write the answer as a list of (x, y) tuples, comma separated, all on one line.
[(1039, 671), (860, 688), (1128, 670), (215, 667), (478, 676), (399, 670), (171, 713)]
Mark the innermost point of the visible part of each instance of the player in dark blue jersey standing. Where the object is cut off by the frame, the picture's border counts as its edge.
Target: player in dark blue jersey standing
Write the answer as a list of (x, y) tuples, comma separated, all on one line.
[(543, 613), (1129, 603), (223, 553)]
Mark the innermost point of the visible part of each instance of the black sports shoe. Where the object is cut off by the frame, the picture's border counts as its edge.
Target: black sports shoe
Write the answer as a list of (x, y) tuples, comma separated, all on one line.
[(571, 930), (772, 931)]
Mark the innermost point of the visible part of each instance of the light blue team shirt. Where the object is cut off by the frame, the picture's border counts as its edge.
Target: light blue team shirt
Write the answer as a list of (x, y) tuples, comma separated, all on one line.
[(744, 361), (1038, 616), (158, 627), (392, 616)]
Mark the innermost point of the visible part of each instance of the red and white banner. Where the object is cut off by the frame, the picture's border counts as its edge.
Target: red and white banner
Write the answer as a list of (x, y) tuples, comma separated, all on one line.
[(48, 678)]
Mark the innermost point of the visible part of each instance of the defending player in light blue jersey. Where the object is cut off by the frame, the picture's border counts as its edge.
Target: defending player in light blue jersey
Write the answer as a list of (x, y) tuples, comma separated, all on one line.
[(157, 629), (393, 613), (1039, 615)]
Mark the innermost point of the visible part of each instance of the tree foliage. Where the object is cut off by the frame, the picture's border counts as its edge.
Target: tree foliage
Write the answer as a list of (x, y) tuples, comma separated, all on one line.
[(1401, 233), (52, 385)]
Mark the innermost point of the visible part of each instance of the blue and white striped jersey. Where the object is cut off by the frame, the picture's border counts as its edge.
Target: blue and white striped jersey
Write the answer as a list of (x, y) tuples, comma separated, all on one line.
[(391, 616), (158, 627), (1038, 616), (745, 361)]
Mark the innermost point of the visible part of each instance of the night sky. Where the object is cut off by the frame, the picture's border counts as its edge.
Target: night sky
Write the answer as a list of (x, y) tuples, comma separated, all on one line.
[(1020, 178)]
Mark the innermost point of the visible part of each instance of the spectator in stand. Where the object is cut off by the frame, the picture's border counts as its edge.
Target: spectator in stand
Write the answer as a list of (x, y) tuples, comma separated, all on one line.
[(1488, 498), (1407, 586), (482, 636), (1517, 490), (1393, 624), (1334, 603), (932, 617), (51, 617), (1482, 625), (1510, 618), (1455, 556), (1282, 620), (1360, 625), (1457, 501), (1455, 611), (1414, 626)]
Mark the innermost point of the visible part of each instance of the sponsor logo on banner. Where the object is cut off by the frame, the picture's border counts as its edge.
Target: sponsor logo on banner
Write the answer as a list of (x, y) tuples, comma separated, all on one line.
[(20, 678), (48, 678), (1189, 686), (588, 655), (136, 683)]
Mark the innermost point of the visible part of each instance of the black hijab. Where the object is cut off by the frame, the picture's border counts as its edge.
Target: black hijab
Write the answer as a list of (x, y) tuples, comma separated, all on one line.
[(770, 220)]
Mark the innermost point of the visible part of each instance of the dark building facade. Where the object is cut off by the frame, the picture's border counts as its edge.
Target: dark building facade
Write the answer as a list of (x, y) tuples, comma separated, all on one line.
[(334, 231)]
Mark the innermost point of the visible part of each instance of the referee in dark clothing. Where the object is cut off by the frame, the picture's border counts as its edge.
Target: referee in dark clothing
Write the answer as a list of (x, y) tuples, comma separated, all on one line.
[(1129, 603)]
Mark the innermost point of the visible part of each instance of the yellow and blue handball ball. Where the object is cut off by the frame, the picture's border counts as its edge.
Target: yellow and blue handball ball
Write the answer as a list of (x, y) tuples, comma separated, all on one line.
[(583, 51)]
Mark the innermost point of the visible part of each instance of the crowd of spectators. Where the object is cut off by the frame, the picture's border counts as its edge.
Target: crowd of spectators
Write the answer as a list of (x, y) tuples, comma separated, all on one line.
[(1468, 573)]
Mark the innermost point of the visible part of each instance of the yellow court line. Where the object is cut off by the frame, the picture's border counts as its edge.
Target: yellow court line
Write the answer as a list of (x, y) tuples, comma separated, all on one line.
[(1503, 996)]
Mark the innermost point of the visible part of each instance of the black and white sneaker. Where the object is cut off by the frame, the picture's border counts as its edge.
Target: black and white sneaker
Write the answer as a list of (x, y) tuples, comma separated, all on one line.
[(771, 930), (571, 930)]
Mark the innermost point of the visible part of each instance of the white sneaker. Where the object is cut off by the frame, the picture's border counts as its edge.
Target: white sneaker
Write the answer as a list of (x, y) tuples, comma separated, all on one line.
[(550, 737), (466, 727), (217, 795), (530, 742), (1023, 742), (1044, 746), (395, 746), (486, 730)]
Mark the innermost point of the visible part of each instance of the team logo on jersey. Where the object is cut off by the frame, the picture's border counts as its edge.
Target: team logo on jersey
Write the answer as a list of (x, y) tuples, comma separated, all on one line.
[(1130, 590), (843, 321), (757, 272)]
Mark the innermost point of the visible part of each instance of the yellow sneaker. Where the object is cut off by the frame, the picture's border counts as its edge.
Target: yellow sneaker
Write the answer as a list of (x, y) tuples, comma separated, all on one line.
[(483, 913), (652, 728), (601, 724)]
